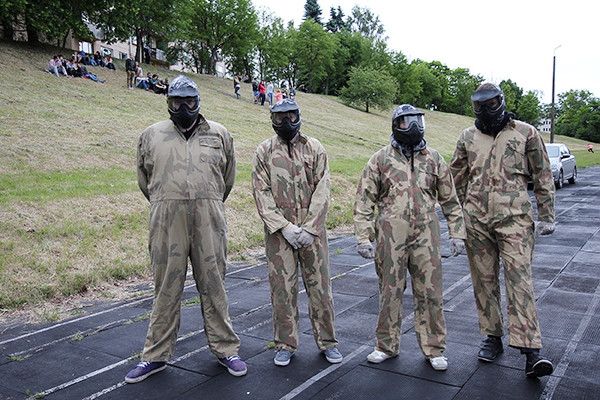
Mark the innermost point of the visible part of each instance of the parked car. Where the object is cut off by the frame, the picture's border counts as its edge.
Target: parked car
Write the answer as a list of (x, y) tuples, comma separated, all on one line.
[(563, 164)]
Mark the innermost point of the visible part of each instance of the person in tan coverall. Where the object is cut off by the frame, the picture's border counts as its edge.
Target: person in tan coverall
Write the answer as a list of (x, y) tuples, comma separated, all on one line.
[(405, 180), (186, 169), (491, 165), (290, 181)]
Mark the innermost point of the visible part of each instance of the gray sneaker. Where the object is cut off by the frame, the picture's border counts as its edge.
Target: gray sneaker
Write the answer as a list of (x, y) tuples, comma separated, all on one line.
[(282, 358), (333, 355)]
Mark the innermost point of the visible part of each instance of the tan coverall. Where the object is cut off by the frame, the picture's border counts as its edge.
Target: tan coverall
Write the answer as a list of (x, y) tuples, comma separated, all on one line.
[(490, 175), (187, 182), (407, 232)]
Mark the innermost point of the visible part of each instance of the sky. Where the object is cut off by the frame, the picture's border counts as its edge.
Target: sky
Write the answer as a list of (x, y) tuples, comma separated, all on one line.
[(499, 40)]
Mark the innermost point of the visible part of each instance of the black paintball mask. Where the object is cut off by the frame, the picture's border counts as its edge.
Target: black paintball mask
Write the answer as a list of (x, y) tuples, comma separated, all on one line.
[(489, 105), (183, 101), (286, 119), (408, 125)]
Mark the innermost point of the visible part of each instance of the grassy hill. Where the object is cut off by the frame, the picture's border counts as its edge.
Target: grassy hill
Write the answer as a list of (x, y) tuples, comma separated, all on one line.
[(72, 219)]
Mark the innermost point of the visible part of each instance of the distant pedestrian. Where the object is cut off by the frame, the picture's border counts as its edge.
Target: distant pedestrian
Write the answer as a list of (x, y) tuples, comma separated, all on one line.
[(270, 91), (187, 222), (130, 70), (590, 148), (255, 90), (236, 85), (291, 184), (261, 92)]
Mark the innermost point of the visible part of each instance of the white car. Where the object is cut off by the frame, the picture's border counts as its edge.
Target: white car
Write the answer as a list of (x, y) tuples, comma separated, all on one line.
[(563, 164)]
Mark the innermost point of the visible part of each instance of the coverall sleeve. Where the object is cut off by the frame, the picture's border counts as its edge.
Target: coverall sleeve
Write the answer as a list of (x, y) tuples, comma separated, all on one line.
[(541, 177), (316, 217), (263, 196), (230, 166), (459, 167), (142, 173), (446, 196), (366, 200)]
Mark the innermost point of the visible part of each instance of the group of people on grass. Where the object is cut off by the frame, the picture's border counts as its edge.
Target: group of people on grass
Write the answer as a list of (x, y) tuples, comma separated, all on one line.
[(148, 82), (59, 66), (396, 225)]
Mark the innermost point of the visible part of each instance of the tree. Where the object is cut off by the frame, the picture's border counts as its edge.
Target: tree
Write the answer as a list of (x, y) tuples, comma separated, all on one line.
[(312, 10), (529, 109), (513, 94), (366, 23), (223, 26), (461, 86), (271, 45), (121, 20), (336, 21), (369, 87), (579, 115), (313, 50)]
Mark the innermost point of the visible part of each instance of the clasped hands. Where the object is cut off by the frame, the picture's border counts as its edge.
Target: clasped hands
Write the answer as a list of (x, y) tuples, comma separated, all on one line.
[(296, 236)]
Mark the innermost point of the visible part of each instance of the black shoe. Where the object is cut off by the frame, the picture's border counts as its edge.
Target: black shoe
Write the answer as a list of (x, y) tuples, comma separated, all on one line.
[(538, 366), (490, 348)]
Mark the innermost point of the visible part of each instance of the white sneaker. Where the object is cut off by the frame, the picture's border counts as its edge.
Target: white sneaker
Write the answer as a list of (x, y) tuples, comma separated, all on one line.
[(377, 357), (439, 363)]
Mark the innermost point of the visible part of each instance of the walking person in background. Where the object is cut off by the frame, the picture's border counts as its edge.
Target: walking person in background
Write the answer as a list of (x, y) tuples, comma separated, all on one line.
[(270, 90), (236, 85), (405, 181), (290, 183), (130, 70), (187, 221), (590, 148), (491, 165)]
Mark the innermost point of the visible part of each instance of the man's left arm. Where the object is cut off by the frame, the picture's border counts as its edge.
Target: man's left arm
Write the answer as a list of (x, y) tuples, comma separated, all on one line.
[(448, 199), (541, 177), (314, 222), (230, 165)]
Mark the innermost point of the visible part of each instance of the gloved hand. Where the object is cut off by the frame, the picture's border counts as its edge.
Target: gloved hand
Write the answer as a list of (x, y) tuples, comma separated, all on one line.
[(456, 246), (306, 238), (544, 228), (365, 249), (291, 233)]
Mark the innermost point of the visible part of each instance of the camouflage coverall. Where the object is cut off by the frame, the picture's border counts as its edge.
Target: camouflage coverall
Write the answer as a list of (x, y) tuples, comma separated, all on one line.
[(187, 183), (295, 190), (407, 232), (491, 182)]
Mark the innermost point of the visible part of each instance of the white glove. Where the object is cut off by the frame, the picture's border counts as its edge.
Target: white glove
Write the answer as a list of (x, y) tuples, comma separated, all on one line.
[(365, 249), (544, 228), (306, 238), (291, 233), (456, 246)]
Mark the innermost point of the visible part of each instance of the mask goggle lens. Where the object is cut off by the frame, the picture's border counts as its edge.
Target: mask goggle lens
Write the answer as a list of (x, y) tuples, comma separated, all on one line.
[(176, 102), (492, 105), (278, 117), (404, 122)]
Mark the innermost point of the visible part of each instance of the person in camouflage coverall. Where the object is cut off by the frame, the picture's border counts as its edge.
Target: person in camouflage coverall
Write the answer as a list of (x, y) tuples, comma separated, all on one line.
[(290, 181), (186, 169), (491, 165), (405, 180)]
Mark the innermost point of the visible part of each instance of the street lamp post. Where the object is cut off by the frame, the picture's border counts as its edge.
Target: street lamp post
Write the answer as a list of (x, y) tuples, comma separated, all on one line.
[(552, 114)]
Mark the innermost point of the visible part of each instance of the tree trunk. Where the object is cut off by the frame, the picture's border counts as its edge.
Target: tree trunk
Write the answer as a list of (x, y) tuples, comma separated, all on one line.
[(8, 30)]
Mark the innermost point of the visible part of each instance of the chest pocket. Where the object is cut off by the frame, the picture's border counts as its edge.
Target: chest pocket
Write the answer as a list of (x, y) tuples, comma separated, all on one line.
[(427, 177), (210, 150), (514, 159)]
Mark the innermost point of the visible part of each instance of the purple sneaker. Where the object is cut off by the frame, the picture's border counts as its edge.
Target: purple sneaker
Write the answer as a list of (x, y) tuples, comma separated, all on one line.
[(144, 370), (235, 365)]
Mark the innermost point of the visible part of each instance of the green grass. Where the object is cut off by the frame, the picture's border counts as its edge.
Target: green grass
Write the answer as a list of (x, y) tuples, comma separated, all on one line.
[(72, 218)]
